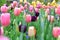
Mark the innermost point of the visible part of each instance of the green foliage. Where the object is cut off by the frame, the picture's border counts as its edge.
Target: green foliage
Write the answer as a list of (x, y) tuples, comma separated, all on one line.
[(2, 2)]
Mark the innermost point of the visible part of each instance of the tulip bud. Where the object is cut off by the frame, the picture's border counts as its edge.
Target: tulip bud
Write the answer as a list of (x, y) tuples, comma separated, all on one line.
[(31, 31), (15, 3), (56, 31), (47, 11), (1, 31), (22, 28), (36, 12), (4, 9), (50, 18), (22, 8), (31, 8), (5, 19), (57, 10), (17, 11), (33, 18), (4, 38), (25, 6), (38, 5), (28, 18)]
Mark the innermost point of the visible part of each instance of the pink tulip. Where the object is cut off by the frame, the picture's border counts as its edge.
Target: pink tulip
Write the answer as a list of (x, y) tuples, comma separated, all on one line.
[(4, 38), (31, 8), (57, 10), (17, 11), (4, 9), (28, 18), (5, 19), (47, 11), (15, 3), (22, 8), (25, 6), (39, 5), (56, 31), (1, 31), (50, 18), (36, 10)]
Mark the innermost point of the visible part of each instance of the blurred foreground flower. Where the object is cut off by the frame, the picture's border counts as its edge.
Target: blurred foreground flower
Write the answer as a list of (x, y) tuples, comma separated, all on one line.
[(4, 38), (56, 31), (31, 31), (5, 19), (1, 31)]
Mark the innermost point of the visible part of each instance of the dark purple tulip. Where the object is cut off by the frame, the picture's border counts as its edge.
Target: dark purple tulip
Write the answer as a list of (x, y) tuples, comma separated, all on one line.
[(33, 18), (22, 27), (36, 14)]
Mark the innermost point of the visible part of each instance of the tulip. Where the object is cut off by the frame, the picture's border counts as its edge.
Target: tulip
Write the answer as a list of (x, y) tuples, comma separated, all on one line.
[(56, 31), (33, 18), (31, 31), (34, 4), (1, 31), (5, 19), (4, 38), (28, 18), (15, 3), (22, 8), (25, 6), (17, 11), (36, 12), (31, 8), (57, 10), (38, 5), (50, 18), (22, 28), (4, 9), (47, 11)]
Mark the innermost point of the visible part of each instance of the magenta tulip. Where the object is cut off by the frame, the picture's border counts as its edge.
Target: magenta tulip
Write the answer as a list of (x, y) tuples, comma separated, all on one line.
[(31, 8), (17, 11), (5, 19), (4, 9)]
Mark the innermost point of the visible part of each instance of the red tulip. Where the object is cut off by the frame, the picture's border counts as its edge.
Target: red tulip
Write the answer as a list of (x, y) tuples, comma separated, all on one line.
[(17, 11), (56, 31), (5, 19), (28, 18), (4, 9)]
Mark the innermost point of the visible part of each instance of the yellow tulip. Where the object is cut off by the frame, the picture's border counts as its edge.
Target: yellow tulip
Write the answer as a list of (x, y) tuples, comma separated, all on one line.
[(54, 3), (34, 4), (25, 1), (21, 1)]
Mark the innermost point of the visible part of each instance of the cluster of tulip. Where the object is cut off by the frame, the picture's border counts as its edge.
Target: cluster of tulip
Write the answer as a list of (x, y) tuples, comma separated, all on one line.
[(27, 21)]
